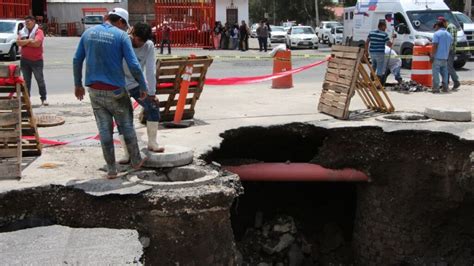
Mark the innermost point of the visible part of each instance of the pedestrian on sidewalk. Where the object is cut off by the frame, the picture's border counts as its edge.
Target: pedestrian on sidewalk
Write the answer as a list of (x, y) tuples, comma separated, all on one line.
[(375, 44), (104, 47), (234, 35), (145, 51), (453, 30), (216, 33), (262, 34), (30, 39), (165, 37), (244, 34), (439, 56)]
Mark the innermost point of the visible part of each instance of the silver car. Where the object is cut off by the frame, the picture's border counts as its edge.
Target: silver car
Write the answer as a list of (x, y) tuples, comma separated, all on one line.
[(278, 34)]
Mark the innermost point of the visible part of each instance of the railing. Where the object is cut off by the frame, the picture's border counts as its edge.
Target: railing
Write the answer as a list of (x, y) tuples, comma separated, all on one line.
[(191, 21), (14, 8)]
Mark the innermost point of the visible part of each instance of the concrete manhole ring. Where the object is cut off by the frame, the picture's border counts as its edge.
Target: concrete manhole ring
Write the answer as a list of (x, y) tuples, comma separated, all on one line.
[(179, 177), (49, 120), (404, 118)]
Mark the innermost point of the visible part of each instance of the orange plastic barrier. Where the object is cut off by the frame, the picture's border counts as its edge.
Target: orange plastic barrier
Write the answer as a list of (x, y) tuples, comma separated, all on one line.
[(421, 66), (183, 92), (282, 63)]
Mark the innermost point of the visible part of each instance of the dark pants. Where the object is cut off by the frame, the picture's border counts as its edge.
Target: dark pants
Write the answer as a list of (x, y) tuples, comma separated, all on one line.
[(262, 43), (151, 107), (109, 106), (244, 44), (163, 42), (28, 68)]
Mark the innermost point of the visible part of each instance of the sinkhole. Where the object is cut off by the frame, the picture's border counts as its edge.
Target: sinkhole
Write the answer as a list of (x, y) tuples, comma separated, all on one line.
[(411, 210)]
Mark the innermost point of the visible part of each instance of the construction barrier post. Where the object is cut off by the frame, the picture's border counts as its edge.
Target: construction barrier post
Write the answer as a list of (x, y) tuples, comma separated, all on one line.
[(183, 94), (282, 63), (421, 66)]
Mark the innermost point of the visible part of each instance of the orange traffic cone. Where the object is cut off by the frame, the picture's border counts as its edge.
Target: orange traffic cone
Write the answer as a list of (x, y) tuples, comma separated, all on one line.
[(183, 93), (282, 63)]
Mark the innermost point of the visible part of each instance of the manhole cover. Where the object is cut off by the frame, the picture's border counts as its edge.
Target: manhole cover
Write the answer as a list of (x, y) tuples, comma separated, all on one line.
[(49, 120), (404, 118)]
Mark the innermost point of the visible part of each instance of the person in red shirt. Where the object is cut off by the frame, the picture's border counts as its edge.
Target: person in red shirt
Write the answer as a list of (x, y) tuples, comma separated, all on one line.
[(30, 39)]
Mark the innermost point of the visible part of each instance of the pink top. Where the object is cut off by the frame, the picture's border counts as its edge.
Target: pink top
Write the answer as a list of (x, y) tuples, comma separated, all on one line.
[(34, 53)]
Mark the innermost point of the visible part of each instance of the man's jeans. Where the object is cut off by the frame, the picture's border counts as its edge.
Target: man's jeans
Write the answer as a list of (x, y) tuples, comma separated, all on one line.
[(451, 70), (151, 107), (378, 63), (109, 106), (28, 68), (440, 67)]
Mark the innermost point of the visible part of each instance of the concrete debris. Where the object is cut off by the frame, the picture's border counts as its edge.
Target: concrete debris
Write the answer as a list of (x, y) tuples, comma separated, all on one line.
[(407, 86), (448, 114), (289, 245)]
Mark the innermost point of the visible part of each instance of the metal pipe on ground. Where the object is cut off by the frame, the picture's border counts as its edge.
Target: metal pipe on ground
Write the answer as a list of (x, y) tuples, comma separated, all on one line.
[(295, 172)]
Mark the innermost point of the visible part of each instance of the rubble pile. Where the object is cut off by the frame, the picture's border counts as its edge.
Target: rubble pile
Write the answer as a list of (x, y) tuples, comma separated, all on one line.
[(281, 241), (407, 86)]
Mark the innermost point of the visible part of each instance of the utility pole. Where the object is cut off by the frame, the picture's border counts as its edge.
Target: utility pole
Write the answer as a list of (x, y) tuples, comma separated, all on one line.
[(274, 13), (317, 12)]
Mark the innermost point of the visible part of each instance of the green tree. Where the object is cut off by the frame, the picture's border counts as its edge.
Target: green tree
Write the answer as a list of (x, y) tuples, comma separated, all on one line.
[(456, 5), (302, 11)]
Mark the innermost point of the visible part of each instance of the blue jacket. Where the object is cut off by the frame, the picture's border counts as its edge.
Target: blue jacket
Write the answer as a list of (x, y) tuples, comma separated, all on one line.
[(104, 47)]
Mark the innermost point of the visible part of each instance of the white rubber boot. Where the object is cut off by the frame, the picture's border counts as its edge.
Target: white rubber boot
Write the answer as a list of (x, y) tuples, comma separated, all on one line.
[(126, 156), (152, 130)]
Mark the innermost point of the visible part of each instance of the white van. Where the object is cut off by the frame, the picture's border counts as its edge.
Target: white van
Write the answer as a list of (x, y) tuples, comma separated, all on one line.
[(9, 29), (409, 19)]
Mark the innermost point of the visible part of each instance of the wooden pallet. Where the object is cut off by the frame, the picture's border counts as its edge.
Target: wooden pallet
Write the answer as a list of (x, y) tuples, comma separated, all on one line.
[(170, 70), (32, 146), (348, 71), (10, 137)]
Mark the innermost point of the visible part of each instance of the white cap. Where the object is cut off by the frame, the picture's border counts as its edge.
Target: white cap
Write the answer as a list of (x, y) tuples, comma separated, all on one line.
[(121, 13)]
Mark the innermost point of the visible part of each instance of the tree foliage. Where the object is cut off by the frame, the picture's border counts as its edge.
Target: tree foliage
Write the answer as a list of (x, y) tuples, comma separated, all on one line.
[(456, 5), (302, 11)]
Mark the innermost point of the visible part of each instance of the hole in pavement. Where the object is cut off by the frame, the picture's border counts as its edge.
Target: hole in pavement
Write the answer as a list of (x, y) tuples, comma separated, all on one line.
[(295, 223), (180, 174)]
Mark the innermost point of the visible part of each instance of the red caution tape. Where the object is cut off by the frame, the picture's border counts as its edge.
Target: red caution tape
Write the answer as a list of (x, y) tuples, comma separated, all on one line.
[(210, 82), (257, 79)]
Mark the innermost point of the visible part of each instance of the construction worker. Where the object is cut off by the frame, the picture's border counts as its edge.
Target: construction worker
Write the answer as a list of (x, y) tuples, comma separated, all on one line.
[(439, 56), (375, 44), (453, 30), (144, 50)]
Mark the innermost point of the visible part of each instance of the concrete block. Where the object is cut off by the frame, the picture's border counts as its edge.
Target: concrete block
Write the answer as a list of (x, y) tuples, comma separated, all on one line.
[(449, 114), (172, 157), (61, 245)]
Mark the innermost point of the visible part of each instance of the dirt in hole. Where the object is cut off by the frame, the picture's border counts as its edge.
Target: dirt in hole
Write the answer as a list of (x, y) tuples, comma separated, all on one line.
[(295, 223), (413, 212)]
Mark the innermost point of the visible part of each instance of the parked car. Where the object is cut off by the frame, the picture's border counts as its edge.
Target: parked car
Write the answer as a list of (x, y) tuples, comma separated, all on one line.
[(301, 36), (278, 34), (8, 34), (324, 30), (253, 30), (336, 34), (467, 25)]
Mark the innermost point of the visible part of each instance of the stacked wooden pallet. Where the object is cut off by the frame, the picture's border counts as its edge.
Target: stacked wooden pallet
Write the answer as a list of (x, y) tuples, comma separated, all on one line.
[(10, 137), (169, 74), (31, 145), (348, 71)]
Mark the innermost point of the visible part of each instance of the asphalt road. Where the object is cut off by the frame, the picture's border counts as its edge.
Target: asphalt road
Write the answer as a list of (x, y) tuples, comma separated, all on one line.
[(59, 52)]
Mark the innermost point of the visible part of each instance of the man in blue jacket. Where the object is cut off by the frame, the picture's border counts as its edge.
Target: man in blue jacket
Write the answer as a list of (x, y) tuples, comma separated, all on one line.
[(104, 47)]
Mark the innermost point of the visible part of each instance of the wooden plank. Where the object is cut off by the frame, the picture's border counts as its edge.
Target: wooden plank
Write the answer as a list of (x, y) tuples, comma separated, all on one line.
[(333, 96), (341, 48), (10, 170), (334, 65), (10, 134), (336, 79), (9, 104), (168, 71), (336, 87), (9, 119), (335, 104), (345, 55), (8, 152), (341, 72), (336, 112), (347, 62)]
